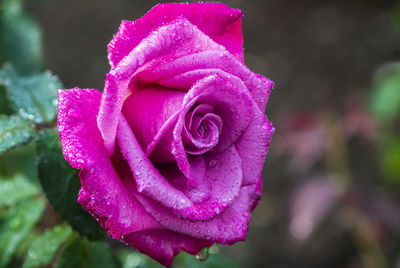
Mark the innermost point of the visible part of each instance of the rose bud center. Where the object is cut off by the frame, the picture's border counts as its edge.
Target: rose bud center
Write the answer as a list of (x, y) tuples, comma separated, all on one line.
[(202, 129)]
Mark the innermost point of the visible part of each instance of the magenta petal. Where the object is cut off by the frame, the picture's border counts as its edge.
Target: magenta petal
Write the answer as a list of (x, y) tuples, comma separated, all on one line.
[(77, 111), (203, 134), (219, 179), (199, 188), (103, 193), (231, 101), (177, 38), (228, 228), (224, 173), (148, 179), (183, 72), (164, 245), (221, 23), (147, 110), (253, 146)]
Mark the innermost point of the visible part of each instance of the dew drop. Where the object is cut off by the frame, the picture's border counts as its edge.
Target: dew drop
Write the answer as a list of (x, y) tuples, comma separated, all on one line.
[(203, 255), (213, 163), (74, 112)]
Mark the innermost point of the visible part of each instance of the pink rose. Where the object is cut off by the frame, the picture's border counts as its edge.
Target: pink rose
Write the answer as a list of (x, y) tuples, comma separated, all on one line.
[(171, 152)]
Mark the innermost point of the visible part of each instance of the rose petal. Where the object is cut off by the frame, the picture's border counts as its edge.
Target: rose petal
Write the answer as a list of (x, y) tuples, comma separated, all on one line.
[(215, 185), (177, 38), (228, 228), (164, 245), (75, 125), (158, 242), (103, 193), (148, 109), (183, 72), (226, 178), (200, 188), (253, 145), (231, 101), (148, 179), (221, 23), (201, 130)]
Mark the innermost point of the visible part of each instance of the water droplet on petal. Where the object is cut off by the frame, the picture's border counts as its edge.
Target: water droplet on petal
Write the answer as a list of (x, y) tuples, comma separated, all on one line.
[(213, 163), (74, 112)]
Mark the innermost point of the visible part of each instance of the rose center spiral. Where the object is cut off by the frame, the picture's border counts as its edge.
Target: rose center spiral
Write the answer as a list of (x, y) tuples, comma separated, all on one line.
[(202, 129)]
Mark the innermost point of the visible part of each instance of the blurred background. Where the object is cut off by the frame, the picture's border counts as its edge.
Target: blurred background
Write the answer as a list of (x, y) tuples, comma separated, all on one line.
[(331, 195)]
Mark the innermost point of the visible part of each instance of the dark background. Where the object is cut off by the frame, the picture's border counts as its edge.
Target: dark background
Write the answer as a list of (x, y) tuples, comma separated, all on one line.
[(321, 54)]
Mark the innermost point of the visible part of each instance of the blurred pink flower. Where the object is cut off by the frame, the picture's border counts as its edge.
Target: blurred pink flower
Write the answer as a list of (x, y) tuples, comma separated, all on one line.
[(301, 137), (310, 203)]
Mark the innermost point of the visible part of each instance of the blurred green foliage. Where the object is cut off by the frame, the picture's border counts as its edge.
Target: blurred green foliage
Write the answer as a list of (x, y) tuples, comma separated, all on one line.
[(33, 97), (20, 38), (83, 253), (14, 131), (385, 98), (15, 189), (385, 106), (42, 250), (16, 223), (131, 259)]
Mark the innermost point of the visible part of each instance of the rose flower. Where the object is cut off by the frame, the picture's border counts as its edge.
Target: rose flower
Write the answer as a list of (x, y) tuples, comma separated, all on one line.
[(171, 152)]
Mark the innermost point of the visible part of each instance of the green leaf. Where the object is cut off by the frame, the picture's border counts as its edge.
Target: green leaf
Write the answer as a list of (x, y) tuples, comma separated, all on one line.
[(14, 131), (85, 254), (23, 247), (33, 97), (15, 225), (213, 261), (385, 98), (20, 160), (134, 259), (390, 159), (20, 39), (15, 189), (43, 249), (4, 105), (61, 184)]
